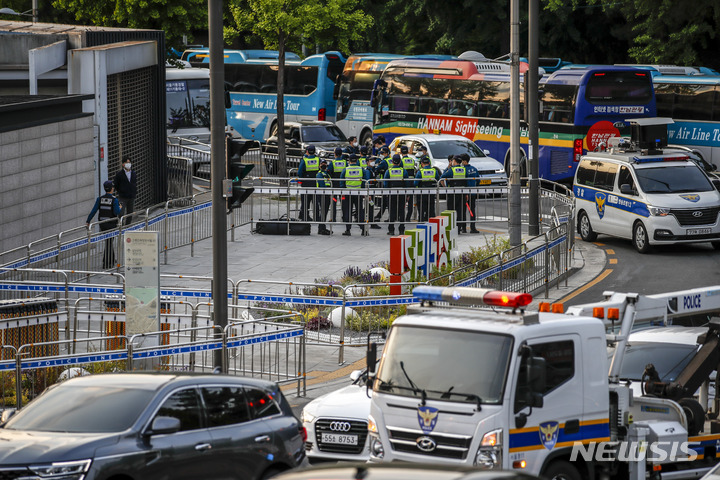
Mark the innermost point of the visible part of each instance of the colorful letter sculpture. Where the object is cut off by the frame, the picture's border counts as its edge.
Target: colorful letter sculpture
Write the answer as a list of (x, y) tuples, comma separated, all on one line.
[(415, 253)]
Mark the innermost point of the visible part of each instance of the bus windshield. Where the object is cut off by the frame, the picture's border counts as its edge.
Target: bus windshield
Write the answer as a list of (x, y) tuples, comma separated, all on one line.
[(188, 103), (618, 88), (458, 366), (666, 179)]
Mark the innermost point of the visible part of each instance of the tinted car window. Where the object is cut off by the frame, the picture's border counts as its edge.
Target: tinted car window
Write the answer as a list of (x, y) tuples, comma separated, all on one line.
[(669, 359), (666, 179), (443, 148), (261, 403), (82, 409), (225, 405), (185, 406)]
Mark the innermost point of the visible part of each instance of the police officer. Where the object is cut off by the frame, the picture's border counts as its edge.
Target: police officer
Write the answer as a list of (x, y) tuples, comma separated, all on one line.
[(378, 144), (354, 177), (335, 168), (363, 159), (454, 176), (426, 177), (381, 165), (408, 163), (352, 147), (108, 209), (309, 167), (373, 183), (394, 177), (323, 201), (472, 181)]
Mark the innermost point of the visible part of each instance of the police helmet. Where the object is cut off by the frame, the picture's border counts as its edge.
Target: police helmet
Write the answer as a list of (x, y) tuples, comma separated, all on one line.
[(108, 185), (425, 159), (353, 157), (364, 150), (384, 150), (338, 151), (403, 149), (311, 148), (396, 159)]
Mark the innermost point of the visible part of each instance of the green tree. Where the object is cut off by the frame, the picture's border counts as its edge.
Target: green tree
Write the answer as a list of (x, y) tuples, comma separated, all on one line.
[(175, 17), (658, 31), (290, 23)]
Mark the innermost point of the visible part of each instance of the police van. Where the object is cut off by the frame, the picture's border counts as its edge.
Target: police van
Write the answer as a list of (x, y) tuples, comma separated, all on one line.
[(636, 190)]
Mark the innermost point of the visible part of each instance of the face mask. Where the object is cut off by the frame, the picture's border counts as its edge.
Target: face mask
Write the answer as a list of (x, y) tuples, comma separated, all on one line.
[(128, 165)]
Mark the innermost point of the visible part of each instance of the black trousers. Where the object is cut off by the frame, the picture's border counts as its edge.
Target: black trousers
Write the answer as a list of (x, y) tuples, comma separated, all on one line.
[(350, 203), (322, 205), (109, 254), (397, 212), (426, 206), (305, 205), (128, 207), (410, 207), (457, 202)]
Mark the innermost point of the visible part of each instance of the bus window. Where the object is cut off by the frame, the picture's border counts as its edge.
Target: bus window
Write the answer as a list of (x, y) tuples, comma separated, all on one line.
[(558, 102), (618, 88), (692, 102)]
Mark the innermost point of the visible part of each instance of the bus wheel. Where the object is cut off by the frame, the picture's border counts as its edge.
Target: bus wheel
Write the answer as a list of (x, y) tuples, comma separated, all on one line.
[(561, 470), (366, 138), (640, 238), (585, 229)]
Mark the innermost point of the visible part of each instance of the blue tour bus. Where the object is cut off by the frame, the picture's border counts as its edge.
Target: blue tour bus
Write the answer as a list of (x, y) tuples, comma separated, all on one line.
[(581, 108), (693, 102), (251, 80)]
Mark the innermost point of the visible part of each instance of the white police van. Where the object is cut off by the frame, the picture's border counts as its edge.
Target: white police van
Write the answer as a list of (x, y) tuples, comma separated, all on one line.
[(638, 191)]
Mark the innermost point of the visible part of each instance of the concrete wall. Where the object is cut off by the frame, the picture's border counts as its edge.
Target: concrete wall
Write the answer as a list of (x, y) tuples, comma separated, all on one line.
[(47, 178)]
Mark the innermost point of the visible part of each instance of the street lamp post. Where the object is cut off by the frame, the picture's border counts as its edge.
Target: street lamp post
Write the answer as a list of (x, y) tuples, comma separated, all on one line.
[(10, 11)]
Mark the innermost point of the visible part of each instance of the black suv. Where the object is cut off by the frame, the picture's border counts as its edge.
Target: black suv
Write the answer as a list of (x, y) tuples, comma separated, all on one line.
[(298, 135), (153, 425)]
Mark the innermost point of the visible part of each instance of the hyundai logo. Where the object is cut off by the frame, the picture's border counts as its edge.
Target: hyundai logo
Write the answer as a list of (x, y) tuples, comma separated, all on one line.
[(697, 213), (426, 444), (340, 426)]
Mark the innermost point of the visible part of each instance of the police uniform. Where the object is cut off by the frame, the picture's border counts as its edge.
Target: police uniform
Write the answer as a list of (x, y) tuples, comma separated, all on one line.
[(309, 167), (472, 176), (408, 164), (335, 168), (108, 209), (454, 176), (381, 166), (426, 177), (353, 177), (394, 177), (322, 201)]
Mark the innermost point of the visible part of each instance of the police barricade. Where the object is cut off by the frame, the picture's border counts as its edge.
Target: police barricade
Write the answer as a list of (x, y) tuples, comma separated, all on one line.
[(179, 176), (268, 350), (372, 205)]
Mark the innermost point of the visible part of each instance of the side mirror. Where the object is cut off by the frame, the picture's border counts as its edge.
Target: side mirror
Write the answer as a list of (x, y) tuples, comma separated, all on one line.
[(6, 414), (228, 103), (336, 88), (164, 425), (626, 189), (371, 357)]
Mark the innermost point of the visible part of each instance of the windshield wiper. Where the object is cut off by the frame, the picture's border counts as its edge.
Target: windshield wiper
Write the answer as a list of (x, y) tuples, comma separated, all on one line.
[(387, 386), (412, 384), (468, 396)]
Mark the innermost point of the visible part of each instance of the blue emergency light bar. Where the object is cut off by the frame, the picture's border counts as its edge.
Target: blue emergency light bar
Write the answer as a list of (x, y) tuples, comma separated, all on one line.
[(472, 296), (677, 158)]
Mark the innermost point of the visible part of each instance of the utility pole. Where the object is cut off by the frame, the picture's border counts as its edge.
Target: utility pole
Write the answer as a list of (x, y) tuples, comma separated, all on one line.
[(514, 226), (217, 170), (531, 102)]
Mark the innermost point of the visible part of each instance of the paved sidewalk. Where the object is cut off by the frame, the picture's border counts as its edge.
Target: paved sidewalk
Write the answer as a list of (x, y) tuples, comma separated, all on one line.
[(307, 258)]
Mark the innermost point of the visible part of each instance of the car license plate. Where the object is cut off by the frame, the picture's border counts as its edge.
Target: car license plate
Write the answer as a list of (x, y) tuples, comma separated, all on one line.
[(485, 182), (698, 231), (341, 439)]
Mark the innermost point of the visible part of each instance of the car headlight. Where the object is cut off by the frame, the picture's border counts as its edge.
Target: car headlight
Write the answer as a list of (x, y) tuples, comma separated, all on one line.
[(62, 470), (372, 426), (307, 417), (659, 211), (500, 171), (489, 455)]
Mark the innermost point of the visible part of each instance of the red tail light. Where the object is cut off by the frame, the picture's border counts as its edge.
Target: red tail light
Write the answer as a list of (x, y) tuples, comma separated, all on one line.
[(321, 114), (577, 149)]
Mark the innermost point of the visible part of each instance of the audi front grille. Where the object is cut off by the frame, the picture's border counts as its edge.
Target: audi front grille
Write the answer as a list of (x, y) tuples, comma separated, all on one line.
[(342, 427), (13, 473), (688, 217)]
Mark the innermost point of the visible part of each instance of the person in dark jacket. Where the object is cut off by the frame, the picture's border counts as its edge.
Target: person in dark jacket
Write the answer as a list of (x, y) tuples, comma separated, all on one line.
[(125, 182), (309, 167), (472, 176), (108, 209), (394, 177), (426, 178), (323, 201), (455, 176)]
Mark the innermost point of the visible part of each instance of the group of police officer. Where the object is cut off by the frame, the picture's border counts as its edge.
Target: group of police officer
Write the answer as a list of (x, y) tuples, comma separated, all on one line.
[(352, 169)]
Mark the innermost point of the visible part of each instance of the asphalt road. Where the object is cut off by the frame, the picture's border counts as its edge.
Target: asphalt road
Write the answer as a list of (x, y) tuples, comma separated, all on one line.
[(664, 269)]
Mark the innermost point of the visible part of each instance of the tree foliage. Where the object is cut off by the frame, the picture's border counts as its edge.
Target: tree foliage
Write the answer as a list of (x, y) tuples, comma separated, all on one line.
[(175, 17)]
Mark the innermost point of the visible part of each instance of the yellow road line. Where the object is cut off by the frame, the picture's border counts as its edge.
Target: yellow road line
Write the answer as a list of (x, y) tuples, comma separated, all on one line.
[(317, 376), (597, 280)]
